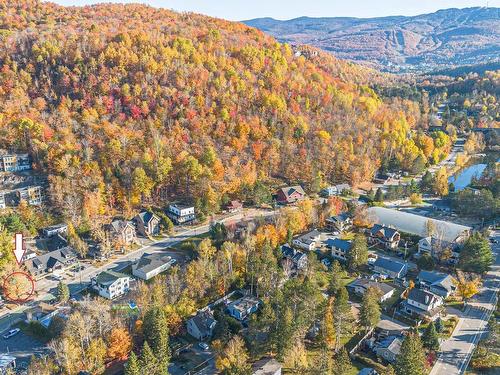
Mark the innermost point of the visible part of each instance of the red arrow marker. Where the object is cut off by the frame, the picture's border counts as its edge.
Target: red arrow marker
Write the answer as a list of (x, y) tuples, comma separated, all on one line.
[(19, 250)]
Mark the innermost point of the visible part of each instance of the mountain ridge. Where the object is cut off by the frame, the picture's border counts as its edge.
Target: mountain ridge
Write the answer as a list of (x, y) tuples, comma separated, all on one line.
[(398, 43)]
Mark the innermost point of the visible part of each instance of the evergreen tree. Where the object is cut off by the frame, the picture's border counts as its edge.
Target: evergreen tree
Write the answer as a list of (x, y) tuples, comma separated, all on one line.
[(322, 364), (411, 360), (155, 328), (476, 255), (358, 255), (427, 182), (148, 362), (336, 277), (430, 338), (342, 363), (379, 195), (341, 314), (62, 292), (370, 308), (389, 370), (439, 325), (132, 365)]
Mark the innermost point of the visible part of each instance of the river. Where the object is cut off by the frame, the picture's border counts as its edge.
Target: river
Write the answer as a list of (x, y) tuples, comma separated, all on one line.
[(464, 177)]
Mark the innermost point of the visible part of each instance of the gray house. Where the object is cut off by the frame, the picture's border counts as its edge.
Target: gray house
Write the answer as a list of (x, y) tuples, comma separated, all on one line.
[(150, 265), (51, 261), (148, 224), (389, 348), (436, 282), (391, 268), (201, 326)]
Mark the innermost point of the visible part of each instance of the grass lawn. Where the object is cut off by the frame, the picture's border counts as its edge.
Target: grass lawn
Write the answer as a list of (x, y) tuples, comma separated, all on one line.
[(195, 240)]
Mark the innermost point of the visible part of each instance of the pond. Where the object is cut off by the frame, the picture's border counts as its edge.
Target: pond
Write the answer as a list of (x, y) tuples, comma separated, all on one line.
[(463, 178)]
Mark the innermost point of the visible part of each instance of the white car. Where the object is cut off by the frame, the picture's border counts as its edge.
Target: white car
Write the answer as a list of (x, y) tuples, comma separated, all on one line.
[(58, 277), (204, 346), (11, 333)]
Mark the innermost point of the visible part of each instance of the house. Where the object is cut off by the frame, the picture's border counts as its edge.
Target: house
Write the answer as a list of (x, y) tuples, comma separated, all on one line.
[(297, 259), (339, 248), (201, 326), (15, 162), (384, 236), (234, 206), (7, 364), (388, 326), (266, 366), (422, 303), (110, 284), (360, 286), (290, 194), (243, 307), (28, 254), (52, 261), (435, 247), (331, 191), (54, 230), (390, 267), (181, 214), (122, 232), (150, 265), (389, 348), (2, 200), (419, 225), (308, 241), (31, 195), (148, 224), (339, 223), (437, 283), (42, 313)]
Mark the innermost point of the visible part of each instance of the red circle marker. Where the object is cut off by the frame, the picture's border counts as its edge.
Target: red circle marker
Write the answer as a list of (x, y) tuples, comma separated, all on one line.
[(6, 283)]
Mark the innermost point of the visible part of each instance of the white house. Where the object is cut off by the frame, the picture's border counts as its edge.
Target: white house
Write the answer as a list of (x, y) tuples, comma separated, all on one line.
[(422, 303), (308, 241), (55, 229), (111, 284), (150, 265), (181, 214), (438, 283), (31, 194)]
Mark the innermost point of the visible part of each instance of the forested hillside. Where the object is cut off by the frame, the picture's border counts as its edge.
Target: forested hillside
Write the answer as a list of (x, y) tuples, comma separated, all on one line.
[(123, 104)]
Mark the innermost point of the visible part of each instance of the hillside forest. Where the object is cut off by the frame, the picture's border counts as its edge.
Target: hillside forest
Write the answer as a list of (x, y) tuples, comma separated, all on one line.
[(124, 106)]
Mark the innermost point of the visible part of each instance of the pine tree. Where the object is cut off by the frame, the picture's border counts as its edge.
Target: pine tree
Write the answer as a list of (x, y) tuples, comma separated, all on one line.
[(358, 254), (336, 277), (322, 364), (411, 360), (155, 329), (342, 363), (389, 370), (430, 338), (132, 366), (476, 255), (341, 314), (439, 325), (370, 309), (379, 195), (148, 361), (63, 293)]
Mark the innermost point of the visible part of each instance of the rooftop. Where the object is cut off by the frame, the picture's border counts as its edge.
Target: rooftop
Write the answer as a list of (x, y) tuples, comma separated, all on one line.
[(416, 224), (343, 245), (389, 264), (244, 304), (109, 277), (422, 296), (150, 262), (366, 283), (266, 366)]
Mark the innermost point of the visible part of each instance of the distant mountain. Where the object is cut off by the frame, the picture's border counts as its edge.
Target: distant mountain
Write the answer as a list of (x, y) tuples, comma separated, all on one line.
[(446, 38)]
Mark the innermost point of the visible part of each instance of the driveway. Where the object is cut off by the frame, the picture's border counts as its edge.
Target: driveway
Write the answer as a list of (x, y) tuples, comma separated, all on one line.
[(456, 351), (22, 347)]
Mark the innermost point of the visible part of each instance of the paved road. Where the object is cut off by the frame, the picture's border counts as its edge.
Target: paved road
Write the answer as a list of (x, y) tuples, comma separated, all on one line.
[(47, 286), (22, 347), (456, 352)]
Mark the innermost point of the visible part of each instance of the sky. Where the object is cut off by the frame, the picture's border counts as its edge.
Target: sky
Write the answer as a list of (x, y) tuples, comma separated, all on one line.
[(238, 10)]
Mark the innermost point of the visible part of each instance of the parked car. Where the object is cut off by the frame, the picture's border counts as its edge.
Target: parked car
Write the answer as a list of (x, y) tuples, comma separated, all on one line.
[(204, 346), (58, 277), (11, 333)]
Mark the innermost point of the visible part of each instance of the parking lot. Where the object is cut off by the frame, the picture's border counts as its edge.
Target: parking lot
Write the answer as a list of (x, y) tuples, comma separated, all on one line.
[(21, 346)]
